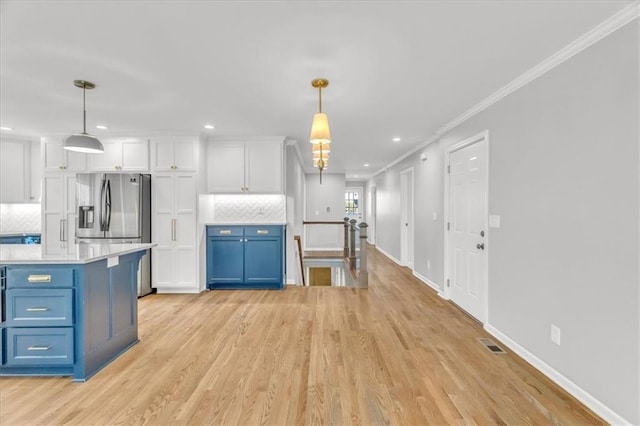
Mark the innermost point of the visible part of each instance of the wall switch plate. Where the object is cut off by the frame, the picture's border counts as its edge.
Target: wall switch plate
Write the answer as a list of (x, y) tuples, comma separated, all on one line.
[(494, 221), (428, 264), (435, 216), (555, 334)]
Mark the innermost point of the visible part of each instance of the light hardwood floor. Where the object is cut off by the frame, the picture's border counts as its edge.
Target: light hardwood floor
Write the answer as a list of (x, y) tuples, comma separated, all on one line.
[(392, 354)]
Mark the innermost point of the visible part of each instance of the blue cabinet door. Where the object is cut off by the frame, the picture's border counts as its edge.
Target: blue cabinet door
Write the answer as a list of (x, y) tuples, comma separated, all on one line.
[(225, 260), (263, 261)]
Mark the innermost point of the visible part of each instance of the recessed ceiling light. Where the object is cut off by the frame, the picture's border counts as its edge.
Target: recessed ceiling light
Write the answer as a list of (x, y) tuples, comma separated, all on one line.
[(209, 126), (366, 164), (101, 127), (355, 176), (396, 139), (6, 128)]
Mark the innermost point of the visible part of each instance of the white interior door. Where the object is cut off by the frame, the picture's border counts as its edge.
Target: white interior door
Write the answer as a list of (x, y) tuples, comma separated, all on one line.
[(406, 231), (467, 215)]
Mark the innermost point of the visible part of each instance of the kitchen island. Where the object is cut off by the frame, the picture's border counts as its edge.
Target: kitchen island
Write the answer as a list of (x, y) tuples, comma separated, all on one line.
[(67, 314)]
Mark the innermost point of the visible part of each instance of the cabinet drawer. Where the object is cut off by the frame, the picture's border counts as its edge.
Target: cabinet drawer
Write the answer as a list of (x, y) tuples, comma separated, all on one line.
[(43, 307), (263, 231), (225, 231), (39, 346), (39, 277)]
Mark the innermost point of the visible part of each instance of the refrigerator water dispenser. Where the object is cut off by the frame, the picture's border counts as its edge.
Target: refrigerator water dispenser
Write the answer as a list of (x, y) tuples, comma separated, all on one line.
[(85, 217)]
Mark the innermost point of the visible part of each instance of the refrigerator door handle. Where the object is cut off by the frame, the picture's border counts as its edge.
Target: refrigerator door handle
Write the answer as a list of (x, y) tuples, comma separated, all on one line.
[(102, 203), (108, 206)]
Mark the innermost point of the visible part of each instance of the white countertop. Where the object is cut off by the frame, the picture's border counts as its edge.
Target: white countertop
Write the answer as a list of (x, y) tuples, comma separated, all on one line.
[(79, 253)]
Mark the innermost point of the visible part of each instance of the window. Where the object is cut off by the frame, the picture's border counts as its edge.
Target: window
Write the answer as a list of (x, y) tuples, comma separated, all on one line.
[(351, 202)]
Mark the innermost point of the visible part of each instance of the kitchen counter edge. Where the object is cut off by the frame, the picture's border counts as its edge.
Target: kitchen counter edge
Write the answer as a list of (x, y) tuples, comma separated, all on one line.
[(14, 254)]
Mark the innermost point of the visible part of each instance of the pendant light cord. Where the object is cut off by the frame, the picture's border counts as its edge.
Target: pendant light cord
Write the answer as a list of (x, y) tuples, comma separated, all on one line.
[(84, 110)]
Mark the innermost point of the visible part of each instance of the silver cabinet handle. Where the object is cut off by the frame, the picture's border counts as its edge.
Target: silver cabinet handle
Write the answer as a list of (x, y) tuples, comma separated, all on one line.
[(62, 230), (39, 348), (263, 231), (173, 229), (37, 309)]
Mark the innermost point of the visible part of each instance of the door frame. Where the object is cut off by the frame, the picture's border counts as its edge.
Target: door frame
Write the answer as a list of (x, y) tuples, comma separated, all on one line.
[(371, 236), (407, 175), (479, 137), (361, 207)]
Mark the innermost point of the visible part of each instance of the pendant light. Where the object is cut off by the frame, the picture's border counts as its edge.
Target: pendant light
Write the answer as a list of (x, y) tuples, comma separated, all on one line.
[(320, 134), (84, 142)]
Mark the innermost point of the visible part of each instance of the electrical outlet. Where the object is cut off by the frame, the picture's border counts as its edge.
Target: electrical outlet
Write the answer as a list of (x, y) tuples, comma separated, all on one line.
[(555, 334)]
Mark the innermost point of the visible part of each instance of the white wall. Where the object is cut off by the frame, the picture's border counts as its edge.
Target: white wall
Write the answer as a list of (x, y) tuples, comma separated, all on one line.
[(294, 190), (565, 178), (324, 202)]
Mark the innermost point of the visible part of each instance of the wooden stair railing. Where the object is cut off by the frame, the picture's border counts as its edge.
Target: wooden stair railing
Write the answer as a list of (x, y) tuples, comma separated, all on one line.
[(299, 244)]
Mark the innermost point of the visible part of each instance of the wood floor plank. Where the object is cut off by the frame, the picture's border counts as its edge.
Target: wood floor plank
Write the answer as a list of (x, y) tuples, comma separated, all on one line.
[(394, 353)]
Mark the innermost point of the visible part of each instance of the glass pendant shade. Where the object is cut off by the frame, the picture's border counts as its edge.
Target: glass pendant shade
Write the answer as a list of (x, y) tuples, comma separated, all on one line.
[(83, 142), (320, 132), (317, 147), (324, 155)]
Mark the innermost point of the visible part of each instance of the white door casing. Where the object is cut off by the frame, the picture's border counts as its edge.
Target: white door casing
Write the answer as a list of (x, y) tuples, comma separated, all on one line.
[(466, 239), (372, 216), (406, 217)]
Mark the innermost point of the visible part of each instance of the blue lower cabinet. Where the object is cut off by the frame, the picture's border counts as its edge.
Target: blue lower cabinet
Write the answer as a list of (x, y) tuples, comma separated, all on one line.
[(245, 257), (263, 261), (225, 260), (40, 346), (68, 320)]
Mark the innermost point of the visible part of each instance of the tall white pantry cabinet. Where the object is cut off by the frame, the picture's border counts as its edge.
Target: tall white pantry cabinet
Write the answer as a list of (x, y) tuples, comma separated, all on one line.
[(174, 185), (59, 194)]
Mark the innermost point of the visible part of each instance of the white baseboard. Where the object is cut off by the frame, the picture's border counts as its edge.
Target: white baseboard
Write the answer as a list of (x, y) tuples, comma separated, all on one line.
[(580, 394), (388, 255), (178, 290), (430, 283), (291, 282)]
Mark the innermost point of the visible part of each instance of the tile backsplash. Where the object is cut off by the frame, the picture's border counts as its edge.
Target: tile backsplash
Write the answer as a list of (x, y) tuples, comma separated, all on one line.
[(20, 218), (242, 208)]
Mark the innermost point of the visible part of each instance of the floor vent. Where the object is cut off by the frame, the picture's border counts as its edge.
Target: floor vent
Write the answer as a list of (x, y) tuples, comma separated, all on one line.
[(491, 346)]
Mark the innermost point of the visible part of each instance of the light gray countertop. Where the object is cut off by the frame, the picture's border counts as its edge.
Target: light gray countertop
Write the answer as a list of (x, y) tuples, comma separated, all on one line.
[(11, 254)]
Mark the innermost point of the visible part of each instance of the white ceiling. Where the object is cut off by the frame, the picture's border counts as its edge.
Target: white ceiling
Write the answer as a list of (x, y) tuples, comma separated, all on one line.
[(396, 68)]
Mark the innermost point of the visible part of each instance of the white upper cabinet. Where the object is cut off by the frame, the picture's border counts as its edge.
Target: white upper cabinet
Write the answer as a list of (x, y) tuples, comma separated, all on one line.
[(245, 167), (128, 154), (174, 153), (14, 171), (55, 158)]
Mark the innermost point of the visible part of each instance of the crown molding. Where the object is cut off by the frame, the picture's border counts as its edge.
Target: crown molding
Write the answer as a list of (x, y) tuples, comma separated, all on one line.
[(407, 154), (615, 22)]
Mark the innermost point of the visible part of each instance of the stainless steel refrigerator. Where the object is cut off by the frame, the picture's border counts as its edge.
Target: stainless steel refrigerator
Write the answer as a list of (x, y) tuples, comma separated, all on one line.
[(116, 208)]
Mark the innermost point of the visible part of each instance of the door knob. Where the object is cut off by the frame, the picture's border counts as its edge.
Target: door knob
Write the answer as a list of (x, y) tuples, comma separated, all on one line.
[(480, 246)]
